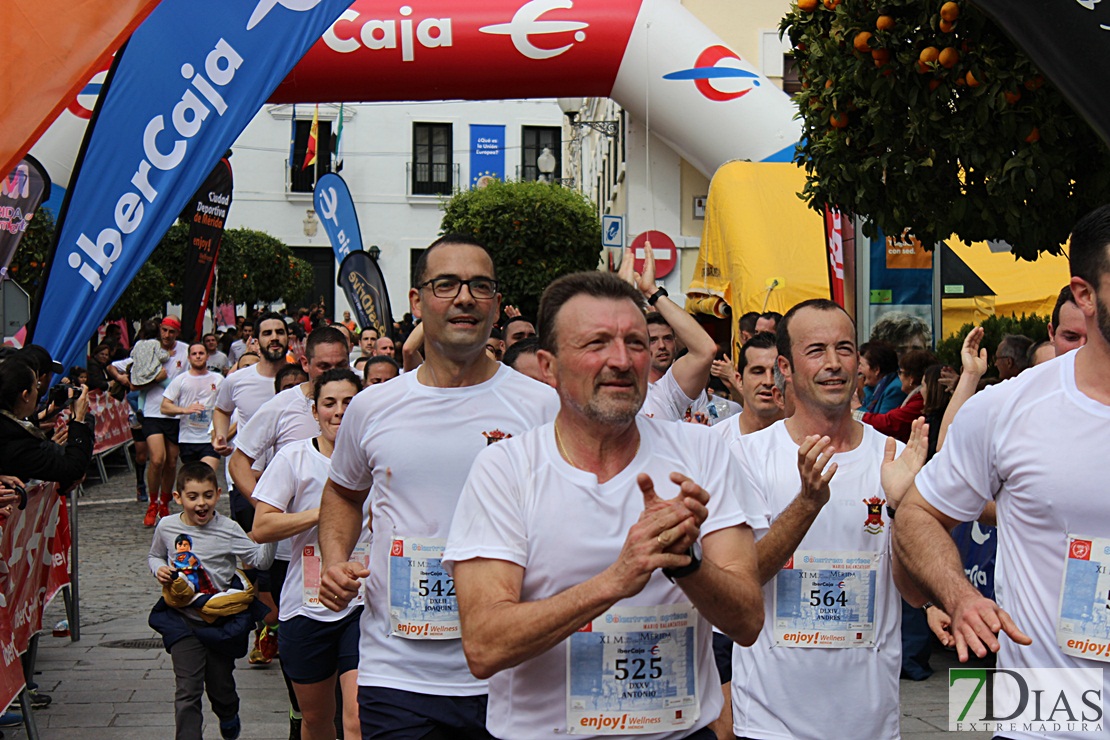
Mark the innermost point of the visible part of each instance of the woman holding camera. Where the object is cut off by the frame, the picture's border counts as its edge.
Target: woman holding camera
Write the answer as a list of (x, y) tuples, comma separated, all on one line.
[(25, 450)]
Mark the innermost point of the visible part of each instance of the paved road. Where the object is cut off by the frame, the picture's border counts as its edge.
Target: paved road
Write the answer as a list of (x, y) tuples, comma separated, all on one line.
[(112, 693)]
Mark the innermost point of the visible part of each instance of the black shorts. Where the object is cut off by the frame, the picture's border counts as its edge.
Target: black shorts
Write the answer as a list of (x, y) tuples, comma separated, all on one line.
[(154, 425), (195, 451), (137, 433), (312, 651), (722, 654), (392, 714)]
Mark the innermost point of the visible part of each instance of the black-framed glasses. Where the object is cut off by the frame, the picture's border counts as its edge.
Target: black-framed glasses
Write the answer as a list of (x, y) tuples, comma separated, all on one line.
[(450, 287)]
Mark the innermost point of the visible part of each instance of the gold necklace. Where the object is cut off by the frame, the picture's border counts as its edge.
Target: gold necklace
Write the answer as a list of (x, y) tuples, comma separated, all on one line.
[(569, 459)]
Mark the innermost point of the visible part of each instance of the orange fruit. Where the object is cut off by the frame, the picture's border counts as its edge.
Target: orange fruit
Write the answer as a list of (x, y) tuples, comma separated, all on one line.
[(946, 26), (922, 68), (830, 4), (972, 80), (933, 85), (1034, 83), (948, 57), (881, 56), (929, 55), (838, 120), (885, 23), (807, 6), (828, 84), (861, 42), (1034, 136), (950, 11), (1012, 97)]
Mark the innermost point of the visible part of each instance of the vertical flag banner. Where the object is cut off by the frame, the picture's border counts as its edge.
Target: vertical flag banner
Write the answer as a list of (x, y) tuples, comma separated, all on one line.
[(362, 281), (336, 209), (207, 214), (21, 193), (313, 139), (487, 153), (834, 236), (188, 82), (51, 49)]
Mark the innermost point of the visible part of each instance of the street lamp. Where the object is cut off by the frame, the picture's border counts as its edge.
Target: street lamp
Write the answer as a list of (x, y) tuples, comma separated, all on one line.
[(546, 164), (571, 107), (374, 252)]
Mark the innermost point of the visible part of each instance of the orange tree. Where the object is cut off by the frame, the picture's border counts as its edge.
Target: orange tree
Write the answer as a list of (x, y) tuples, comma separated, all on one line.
[(923, 114)]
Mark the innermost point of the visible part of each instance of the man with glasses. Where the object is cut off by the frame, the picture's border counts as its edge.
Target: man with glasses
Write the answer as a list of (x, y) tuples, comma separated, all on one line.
[(413, 678), (1012, 356)]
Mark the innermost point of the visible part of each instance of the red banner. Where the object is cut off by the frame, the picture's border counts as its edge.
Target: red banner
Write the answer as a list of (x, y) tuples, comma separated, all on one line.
[(112, 426), (35, 548), (834, 234)]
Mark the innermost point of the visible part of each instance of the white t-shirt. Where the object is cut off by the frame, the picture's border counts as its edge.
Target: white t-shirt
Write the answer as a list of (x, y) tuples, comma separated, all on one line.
[(238, 349), (412, 445), (292, 483), (782, 691), (1037, 446), (217, 362), (187, 389), (174, 365), (244, 391), (729, 429), (665, 399), (525, 504), (282, 420)]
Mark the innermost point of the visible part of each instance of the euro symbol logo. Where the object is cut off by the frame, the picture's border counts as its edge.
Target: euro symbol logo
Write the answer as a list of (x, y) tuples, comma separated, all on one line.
[(329, 202), (526, 22), (265, 6), (706, 69)]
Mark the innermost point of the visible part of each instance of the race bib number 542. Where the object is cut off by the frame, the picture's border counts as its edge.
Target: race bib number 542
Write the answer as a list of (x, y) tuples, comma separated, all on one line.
[(422, 602)]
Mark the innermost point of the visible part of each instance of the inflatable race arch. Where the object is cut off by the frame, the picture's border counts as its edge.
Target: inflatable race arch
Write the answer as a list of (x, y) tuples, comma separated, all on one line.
[(653, 57)]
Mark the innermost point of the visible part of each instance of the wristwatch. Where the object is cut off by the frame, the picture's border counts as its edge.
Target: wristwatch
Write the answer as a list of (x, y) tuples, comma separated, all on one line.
[(657, 295), (694, 552)]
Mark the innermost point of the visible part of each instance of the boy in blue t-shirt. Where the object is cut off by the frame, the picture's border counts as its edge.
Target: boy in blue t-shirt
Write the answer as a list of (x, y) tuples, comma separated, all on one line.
[(203, 650)]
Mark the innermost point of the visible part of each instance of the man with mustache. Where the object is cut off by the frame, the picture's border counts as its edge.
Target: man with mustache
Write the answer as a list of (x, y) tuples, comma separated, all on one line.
[(592, 553), (833, 614), (413, 678)]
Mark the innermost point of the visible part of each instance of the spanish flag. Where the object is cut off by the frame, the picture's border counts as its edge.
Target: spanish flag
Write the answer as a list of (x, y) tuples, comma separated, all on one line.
[(310, 152)]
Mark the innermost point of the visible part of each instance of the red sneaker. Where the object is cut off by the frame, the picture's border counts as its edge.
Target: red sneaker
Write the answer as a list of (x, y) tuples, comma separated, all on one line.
[(268, 643), (163, 509), (151, 515)]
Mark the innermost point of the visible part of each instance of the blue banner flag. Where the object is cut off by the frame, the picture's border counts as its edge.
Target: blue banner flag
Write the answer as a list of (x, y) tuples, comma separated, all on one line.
[(487, 153), (187, 83), (334, 206)]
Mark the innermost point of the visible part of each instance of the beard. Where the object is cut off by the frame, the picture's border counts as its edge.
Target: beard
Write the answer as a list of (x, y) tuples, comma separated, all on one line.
[(273, 355), (1102, 314)]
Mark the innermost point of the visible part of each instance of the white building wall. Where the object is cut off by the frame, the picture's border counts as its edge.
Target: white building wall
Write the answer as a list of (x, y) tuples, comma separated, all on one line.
[(376, 148)]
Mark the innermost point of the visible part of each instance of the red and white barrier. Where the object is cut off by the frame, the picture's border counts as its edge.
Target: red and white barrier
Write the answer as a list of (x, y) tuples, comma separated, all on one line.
[(34, 565)]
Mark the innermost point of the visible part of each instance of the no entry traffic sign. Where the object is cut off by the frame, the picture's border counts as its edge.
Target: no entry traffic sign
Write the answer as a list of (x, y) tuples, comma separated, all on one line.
[(663, 248)]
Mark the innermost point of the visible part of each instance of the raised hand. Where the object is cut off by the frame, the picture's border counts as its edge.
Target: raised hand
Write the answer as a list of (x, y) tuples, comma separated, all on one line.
[(972, 355), (814, 455), (897, 474)]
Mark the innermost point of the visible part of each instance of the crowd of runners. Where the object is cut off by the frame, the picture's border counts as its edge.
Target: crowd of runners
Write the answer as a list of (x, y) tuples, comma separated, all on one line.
[(593, 522)]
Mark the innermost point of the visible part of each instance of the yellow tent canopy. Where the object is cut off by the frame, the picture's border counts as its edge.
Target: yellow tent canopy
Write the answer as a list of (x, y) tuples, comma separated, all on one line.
[(1019, 286), (762, 247)]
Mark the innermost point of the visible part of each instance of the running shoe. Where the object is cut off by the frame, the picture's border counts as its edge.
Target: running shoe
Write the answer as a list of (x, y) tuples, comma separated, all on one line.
[(230, 729), (39, 700), (268, 642), (294, 726), (163, 510), (140, 493), (12, 719), (256, 656), (151, 517)]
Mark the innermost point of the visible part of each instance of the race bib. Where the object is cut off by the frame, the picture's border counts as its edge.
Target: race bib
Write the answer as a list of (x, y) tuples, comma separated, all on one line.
[(632, 671), (311, 570), (826, 599), (1083, 624), (422, 602), (199, 421)]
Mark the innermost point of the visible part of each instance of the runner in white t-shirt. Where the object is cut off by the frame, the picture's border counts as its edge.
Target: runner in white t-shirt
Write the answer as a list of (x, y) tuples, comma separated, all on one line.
[(676, 386), (409, 445), (192, 396), (1036, 445), (317, 644), (160, 430), (599, 623), (833, 620)]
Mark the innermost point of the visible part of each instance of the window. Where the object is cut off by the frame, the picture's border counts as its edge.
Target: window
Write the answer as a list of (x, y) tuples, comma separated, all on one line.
[(534, 139), (304, 180), (791, 85), (432, 170)]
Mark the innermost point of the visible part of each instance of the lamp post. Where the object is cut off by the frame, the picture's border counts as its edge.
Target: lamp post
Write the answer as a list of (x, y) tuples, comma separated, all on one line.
[(374, 252), (546, 164)]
